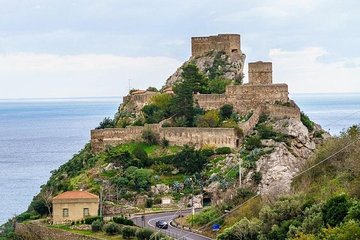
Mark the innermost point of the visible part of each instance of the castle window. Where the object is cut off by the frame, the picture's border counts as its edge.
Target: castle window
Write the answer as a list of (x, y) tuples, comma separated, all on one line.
[(234, 50), (65, 212)]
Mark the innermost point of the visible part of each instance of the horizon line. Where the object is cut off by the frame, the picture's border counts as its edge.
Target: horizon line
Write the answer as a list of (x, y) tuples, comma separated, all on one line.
[(113, 97)]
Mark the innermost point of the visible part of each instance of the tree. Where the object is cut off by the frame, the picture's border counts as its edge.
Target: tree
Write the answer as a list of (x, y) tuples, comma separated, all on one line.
[(150, 137), (218, 86), (226, 111), (183, 102), (189, 160), (46, 195), (335, 209), (106, 123), (210, 119)]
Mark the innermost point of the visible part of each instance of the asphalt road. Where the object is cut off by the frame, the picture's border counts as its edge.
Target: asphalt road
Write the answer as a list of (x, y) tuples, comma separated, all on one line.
[(176, 233)]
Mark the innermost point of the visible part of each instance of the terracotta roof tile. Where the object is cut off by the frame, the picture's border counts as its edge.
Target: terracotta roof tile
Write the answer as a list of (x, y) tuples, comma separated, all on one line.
[(76, 195)]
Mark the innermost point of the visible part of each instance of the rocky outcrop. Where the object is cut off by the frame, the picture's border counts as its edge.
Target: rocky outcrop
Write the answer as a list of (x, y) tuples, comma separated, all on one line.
[(230, 67), (286, 160), (160, 189)]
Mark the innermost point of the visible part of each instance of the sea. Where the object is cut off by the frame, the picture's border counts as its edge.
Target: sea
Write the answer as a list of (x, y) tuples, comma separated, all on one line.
[(38, 135)]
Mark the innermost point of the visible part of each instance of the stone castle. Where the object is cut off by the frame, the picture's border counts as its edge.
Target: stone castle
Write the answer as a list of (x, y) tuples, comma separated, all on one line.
[(228, 43), (259, 96)]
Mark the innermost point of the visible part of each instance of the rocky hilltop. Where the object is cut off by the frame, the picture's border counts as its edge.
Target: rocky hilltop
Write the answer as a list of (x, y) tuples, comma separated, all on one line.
[(265, 130), (215, 64), (184, 144)]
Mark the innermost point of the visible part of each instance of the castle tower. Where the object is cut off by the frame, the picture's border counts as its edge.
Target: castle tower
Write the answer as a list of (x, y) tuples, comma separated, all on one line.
[(229, 43), (260, 73)]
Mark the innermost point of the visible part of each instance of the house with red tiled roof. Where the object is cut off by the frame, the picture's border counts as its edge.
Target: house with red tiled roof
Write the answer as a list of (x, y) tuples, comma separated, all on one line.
[(73, 206)]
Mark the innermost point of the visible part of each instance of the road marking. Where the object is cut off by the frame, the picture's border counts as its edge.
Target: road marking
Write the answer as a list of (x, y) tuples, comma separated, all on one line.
[(169, 220)]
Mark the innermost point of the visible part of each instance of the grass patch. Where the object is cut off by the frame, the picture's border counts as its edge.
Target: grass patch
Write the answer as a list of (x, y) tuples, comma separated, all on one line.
[(168, 180), (99, 235)]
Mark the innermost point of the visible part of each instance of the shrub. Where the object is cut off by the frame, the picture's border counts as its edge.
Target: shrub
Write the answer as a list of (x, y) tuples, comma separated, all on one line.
[(149, 203), (335, 209), (207, 152), (111, 228), (265, 131), (140, 153), (123, 220), (354, 211), (152, 89), (307, 122), (157, 200), (263, 118), (90, 220), (181, 121), (210, 119), (149, 136), (164, 142), (226, 111), (252, 142), (128, 232), (205, 216), (189, 160), (144, 234), (349, 230), (106, 123), (223, 150), (244, 229), (96, 226), (256, 177), (23, 217)]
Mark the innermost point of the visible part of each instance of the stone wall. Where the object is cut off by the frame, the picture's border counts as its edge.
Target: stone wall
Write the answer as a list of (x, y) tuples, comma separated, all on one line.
[(253, 120), (280, 112), (245, 97), (229, 43), (138, 101), (34, 231), (219, 137), (260, 73), (210, 101), (115, 136)]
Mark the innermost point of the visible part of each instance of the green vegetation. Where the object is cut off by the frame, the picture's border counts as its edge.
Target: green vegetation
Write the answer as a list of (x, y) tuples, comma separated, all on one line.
[(106, 123), (96, 226), (150, 137), (307, 122), (111, 229), (325, 206)]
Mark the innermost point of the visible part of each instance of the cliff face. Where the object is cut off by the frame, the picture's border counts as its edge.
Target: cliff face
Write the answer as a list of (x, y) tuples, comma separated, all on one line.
[(215, 65), (274, 162)]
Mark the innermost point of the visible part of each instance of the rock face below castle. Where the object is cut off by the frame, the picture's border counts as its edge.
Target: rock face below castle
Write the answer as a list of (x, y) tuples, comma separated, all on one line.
[(207, 52)]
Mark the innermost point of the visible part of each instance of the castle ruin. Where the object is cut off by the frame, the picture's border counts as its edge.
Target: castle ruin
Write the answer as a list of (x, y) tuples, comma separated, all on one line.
[(259, 96), (228, 43)]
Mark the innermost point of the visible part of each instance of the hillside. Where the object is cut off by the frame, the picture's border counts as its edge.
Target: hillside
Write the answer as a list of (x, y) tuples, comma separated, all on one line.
[(323, 204), (206, 139)]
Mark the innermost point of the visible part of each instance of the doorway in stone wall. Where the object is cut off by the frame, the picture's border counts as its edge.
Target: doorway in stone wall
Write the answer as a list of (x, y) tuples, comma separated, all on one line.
[(237, 143)]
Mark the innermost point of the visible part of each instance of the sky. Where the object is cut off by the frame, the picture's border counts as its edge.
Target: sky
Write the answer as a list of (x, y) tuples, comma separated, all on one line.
[(93, 48)]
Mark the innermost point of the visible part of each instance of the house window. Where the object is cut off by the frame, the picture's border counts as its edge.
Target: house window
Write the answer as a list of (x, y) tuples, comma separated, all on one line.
[(65, 212), (86, 212)]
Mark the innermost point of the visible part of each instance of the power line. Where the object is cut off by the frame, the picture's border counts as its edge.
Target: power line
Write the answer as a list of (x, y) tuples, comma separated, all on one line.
[(257, 195)]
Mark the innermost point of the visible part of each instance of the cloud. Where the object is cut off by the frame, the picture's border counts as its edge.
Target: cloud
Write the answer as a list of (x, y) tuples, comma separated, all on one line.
[(305, 73), (26, 75)]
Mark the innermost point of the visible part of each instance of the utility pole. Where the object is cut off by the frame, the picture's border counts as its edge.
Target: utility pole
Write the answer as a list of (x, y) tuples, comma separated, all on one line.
[(240, 162), (101, 202), (192, 205)]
